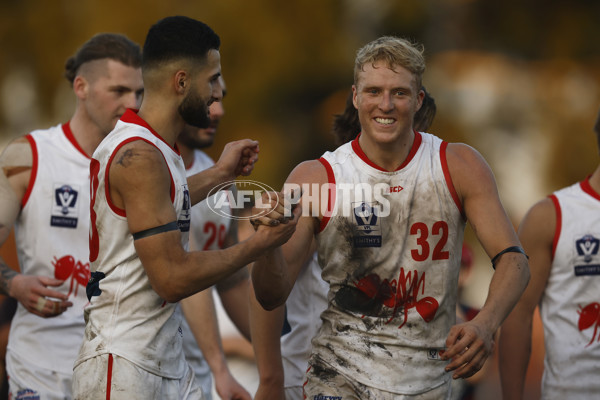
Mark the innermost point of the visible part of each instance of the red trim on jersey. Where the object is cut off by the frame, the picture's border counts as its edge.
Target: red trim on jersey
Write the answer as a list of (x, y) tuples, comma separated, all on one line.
[(66, 127), (558, 223), (130, 116), (586, 187), (331, 194), (34, 169), (449, 183), (117, 210), (109, 375), (413, 150)]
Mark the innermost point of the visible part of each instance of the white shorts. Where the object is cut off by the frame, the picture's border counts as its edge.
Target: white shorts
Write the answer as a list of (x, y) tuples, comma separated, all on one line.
[(28, 381), (331, 385), (109, 376)]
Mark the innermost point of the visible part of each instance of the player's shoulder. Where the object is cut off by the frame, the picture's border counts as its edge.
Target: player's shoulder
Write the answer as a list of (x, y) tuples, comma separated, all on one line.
[(541, 216), (308, 172)]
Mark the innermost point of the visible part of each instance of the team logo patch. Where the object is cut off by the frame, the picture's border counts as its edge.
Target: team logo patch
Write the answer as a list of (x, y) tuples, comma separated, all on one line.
[(368, 229), (185, 216), (587, 252), (435, 354), (64, 206)]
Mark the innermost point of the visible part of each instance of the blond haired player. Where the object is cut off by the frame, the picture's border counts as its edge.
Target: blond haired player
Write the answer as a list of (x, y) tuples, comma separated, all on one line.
[(391, 258)]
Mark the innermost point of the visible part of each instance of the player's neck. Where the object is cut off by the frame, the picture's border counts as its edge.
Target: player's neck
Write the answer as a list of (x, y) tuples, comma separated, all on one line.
[(595, 179), (87, 134), (164, 119), (387, 155)]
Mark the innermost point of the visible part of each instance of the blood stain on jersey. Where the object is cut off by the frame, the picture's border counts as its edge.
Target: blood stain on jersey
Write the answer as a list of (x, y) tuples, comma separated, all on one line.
[(588, 316), (378, 296)]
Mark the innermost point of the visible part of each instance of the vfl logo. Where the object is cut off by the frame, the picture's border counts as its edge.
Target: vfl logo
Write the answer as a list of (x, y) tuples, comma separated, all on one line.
[(368, 231), (64, 207), (587, 249)]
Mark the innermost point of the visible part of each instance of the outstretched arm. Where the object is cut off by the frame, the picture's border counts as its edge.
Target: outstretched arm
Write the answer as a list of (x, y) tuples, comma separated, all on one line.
[(469, 344), (275, 272), (33, 292), (536, 233)]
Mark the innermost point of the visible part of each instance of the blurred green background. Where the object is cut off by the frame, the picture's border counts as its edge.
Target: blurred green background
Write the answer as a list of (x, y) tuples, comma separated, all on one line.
[(517, 79)]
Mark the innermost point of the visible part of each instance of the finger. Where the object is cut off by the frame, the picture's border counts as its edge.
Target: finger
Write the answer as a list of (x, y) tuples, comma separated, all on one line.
[(47, 281), (45, 292), (41, 304)]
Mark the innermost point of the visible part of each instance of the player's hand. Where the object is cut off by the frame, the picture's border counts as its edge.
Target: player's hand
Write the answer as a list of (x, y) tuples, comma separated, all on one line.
[(230, 389), (238, 158), (273, 209), (34, 294), (468, 346)]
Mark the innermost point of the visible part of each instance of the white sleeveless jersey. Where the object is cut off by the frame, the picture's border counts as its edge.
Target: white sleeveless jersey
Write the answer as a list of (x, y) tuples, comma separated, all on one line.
[(304, 305), (570, 305), (208, 231), (126, 316), (392, 263), (51, 236)]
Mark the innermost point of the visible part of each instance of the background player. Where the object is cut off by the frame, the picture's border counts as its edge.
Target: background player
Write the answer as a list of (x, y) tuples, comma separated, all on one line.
[(561, 233), (202, 344), (389, 326), (44, 193)]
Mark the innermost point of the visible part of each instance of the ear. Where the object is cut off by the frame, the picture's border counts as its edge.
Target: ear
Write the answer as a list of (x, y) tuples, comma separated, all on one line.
[(354, 96), (81, 87), (181, 81), (420, 97)]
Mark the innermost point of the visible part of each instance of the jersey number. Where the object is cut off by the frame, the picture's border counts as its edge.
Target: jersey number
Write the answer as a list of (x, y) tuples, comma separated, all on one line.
[(215, 233), (440, 228)]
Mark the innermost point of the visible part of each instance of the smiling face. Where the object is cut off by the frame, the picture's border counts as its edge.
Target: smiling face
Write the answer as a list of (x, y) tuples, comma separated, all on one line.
[(386, 100)]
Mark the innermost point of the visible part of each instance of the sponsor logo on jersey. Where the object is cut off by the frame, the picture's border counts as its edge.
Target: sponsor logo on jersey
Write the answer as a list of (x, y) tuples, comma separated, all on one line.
[(64, 212), (587, 261), (185, 216), (324, 397), (368, 230), (27, 394)]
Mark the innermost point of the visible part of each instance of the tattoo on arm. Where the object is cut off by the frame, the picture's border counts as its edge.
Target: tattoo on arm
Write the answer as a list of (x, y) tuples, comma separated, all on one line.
[(125, 159), (6, 275)]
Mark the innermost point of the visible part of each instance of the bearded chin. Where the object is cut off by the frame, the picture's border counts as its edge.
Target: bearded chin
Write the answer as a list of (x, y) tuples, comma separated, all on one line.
[(195, 116)]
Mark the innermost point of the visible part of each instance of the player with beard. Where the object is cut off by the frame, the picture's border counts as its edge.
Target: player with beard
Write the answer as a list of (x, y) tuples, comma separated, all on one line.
[(140, 219), (202, 344)]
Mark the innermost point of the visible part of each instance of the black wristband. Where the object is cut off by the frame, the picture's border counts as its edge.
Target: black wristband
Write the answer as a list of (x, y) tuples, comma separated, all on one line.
[(511, 249), (171, 226)]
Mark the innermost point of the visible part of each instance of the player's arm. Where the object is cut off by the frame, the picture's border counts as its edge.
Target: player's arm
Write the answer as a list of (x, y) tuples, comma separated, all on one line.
[(199, 311), (234, 289), (275, 272), (266, 332), (140, 183), (16, 162), (469, 344), (537, 234), (237, 159)]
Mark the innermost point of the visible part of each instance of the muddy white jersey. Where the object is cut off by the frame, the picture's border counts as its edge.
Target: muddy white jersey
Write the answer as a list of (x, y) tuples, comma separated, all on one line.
[(391, 259), (51, 236), (126, 316), (208, 231), (303, 307), (570, 304)]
